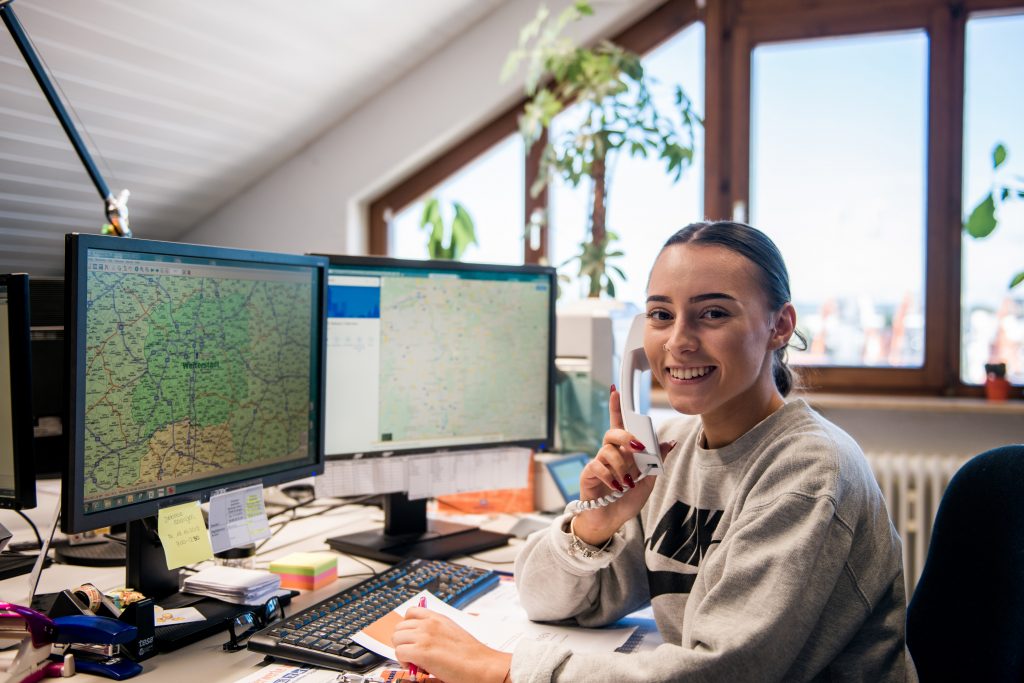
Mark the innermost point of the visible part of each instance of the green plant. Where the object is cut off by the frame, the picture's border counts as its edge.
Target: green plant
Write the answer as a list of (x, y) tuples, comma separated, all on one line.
[(983, 219), (447, 241), (618, 112)]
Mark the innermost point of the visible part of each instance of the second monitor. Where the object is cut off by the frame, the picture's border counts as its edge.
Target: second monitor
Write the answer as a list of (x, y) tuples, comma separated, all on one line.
[(428, 356)]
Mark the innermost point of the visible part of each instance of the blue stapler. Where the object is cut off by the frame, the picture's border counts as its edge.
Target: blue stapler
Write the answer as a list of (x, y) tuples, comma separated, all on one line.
[(95, 642)]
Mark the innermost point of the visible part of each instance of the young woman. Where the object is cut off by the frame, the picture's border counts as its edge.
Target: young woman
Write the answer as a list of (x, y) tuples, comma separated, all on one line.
[(765, 547)]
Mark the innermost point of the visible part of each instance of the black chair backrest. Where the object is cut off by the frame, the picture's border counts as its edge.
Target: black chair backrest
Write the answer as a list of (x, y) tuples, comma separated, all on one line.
[(966, 619)]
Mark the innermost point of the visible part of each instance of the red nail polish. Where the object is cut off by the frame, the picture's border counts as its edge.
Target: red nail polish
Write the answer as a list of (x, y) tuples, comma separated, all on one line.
[(617, 486), (629, 481), (636, 445), (612, 389)]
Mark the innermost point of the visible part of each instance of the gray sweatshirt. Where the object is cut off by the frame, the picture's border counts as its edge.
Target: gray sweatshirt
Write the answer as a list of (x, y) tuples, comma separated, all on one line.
[(770, 559)]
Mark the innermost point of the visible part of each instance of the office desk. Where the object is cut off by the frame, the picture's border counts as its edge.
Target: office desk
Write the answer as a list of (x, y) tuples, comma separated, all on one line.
[(206, 661)]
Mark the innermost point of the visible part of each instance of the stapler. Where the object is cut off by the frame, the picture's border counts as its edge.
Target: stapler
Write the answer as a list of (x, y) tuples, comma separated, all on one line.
[(31, 661), (95, 642)]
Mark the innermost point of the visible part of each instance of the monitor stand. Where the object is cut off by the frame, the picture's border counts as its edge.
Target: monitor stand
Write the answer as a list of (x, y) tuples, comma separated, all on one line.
[(147, 572), (408, 533)]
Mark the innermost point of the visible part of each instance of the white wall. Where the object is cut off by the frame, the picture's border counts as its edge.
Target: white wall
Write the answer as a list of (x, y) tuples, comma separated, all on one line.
[(317, 200)]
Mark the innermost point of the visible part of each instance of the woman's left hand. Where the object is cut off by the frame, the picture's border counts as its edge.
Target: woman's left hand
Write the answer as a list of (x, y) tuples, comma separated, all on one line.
[(438, 645)]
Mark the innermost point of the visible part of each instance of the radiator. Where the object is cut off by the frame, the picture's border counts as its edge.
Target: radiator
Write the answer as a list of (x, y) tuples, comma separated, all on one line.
[(912, 485)]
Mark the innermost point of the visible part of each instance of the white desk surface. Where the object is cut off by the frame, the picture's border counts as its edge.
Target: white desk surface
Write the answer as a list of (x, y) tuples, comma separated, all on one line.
[(206, 661)]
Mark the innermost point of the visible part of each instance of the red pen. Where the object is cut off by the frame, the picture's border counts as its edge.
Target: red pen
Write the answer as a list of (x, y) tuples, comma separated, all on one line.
[(412, 667)]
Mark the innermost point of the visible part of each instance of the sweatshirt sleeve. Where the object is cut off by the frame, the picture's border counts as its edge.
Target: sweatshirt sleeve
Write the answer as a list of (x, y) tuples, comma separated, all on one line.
[(555, 584), (769, 583)]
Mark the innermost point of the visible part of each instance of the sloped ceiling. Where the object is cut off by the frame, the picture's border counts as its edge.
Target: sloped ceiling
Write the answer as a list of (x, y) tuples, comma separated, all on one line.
[(186, 103)]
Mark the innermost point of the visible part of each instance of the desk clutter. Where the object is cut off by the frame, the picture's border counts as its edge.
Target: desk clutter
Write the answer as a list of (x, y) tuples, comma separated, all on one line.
[(233, 584)]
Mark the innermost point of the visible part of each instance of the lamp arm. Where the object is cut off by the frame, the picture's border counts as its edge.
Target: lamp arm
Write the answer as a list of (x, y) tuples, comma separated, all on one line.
[(115, 208)]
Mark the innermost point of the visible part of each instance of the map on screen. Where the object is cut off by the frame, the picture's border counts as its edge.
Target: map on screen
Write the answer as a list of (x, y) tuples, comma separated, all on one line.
[(192, 370), (450, 386)]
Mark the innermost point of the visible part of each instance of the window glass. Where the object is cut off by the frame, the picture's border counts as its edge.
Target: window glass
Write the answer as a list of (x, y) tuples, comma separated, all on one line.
[(992, 315), (644, 206), (491, 190), (837, 179)]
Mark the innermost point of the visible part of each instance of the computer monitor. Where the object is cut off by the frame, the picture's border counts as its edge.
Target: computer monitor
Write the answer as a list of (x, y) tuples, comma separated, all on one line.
[(49, 386), (17, 475), (428, 356), (192, 369)]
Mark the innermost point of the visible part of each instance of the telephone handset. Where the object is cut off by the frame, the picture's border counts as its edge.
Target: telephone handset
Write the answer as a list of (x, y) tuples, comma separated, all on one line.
[(634, 362)]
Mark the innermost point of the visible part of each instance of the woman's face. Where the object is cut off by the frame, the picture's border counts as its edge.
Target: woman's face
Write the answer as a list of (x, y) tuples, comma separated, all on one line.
[(705, 304)]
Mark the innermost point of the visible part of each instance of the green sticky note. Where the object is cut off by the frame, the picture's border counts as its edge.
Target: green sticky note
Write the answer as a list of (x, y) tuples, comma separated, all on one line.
[(183, 534)]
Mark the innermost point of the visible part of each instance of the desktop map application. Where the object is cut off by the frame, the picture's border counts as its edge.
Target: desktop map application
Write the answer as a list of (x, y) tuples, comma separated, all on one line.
[(194, 369), (417, 358)]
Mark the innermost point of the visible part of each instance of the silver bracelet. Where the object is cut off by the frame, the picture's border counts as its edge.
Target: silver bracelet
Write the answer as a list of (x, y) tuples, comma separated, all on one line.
[(585, 549)]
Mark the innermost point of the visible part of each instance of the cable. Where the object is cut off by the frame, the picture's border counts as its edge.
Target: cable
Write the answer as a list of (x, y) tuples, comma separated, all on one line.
[(35, 529), (584, 505), (486, 561)]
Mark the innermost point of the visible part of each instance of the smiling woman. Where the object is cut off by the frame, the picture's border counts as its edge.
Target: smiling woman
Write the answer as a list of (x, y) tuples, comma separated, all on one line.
[(764, 547)]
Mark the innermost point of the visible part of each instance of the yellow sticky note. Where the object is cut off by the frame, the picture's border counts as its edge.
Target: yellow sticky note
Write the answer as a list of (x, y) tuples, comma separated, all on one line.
[(183, 534)]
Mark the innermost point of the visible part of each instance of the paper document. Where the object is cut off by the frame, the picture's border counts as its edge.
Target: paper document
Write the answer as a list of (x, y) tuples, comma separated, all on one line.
[(501, 632), (289, 673), (238, 518), (424, 476), (233, 584)]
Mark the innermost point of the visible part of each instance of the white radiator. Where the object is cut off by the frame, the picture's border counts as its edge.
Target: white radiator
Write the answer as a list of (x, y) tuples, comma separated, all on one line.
[(912, 485)]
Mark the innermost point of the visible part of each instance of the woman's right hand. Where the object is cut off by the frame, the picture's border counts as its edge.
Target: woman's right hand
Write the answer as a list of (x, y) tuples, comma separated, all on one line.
[(613, 469)]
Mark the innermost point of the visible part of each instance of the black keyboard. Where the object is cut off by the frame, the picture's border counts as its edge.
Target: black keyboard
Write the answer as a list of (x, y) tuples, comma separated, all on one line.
[(321, 635), (12, 564)]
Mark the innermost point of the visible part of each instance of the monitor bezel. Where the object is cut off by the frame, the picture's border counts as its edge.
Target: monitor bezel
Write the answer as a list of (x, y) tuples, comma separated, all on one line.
[(20, 359), (538, 443), (77, 246)]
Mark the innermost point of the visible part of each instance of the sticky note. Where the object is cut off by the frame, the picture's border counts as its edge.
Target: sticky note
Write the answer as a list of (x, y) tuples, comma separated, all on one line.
[(306, 571), (183, 535)]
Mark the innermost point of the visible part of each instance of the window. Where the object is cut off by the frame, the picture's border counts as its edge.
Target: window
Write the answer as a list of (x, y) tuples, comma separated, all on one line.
[(992, 315), (644, 206), (838, 181), (491, 190), (859, 135)]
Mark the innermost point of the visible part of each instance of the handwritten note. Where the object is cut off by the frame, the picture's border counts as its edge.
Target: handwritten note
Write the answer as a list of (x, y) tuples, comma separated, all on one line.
[(184, 535), (238, 518)]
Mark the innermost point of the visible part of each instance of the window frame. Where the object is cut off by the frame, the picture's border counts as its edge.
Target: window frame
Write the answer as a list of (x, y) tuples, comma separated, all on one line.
[(733, 28)]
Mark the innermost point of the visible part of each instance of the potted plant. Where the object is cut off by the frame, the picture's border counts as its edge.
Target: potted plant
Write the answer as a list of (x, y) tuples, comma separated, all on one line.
[(447, 241), (619, 115)]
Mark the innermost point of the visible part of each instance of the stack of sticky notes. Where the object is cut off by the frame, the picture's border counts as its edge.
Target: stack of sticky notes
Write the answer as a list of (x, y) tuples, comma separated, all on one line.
[(306, 571)]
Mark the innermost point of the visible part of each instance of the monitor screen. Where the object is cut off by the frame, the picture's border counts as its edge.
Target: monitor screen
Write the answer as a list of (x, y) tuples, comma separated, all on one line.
[(17, 478), (192, 369), (437, 355)]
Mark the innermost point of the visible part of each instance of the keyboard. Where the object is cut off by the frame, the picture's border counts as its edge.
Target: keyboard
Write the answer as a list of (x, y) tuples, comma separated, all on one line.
[(12, 564), (321, 635)]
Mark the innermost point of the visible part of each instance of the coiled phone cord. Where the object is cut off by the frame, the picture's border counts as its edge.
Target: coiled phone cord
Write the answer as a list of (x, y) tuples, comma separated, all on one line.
[(579, 506)]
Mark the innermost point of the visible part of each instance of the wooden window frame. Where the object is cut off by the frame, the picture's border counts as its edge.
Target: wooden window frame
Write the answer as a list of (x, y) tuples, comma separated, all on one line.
[(732, 29), (642, 37)]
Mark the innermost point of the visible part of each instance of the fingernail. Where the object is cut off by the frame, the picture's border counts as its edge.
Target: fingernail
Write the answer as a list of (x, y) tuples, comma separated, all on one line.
[(617, 486), (636, 445), (612, 389), (629, 481)]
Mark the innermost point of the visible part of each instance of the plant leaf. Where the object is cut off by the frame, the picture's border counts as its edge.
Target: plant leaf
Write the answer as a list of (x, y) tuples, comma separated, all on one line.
[(998, 155), (982, 220), (1017, 279), (463, 231)]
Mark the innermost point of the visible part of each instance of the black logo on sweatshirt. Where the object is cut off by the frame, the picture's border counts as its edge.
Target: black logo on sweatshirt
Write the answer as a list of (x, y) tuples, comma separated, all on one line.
[(683, 534)]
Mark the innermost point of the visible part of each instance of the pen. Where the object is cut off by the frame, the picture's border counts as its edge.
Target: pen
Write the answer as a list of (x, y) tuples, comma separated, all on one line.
[(412, 667)]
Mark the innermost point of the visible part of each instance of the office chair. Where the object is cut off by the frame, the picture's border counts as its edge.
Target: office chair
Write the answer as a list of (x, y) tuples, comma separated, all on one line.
[(966, 619)]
